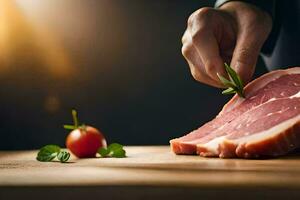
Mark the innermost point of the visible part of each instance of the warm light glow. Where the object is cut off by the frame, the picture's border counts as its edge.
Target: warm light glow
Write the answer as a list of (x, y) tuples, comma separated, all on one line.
[(24, 38), (29, 5), (5, 13)]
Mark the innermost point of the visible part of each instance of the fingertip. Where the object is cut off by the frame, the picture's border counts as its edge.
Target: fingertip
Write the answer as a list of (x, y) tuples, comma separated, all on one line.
[(214, 67), (244, 71)]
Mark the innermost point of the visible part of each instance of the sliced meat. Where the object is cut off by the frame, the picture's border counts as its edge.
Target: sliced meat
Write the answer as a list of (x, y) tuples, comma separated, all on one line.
[(264, 123)]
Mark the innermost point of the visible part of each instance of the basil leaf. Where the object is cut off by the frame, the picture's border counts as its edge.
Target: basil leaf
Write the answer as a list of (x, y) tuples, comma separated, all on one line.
[(103, 152), (63, 156), (116, 150), (114, 146), (48, 153), (118, 153), (113, 150)]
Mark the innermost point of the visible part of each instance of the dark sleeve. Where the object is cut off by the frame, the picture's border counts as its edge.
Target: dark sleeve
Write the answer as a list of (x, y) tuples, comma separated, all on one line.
[(270, 7)]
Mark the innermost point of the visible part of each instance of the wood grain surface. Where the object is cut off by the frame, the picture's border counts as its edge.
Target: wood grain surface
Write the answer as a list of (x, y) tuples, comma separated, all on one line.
[(151, 167)]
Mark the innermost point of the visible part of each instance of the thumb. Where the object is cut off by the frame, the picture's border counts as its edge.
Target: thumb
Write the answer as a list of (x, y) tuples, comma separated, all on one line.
[(245, 55)]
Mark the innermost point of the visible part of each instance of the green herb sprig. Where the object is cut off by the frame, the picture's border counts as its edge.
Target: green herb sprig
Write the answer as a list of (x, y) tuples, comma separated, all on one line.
[(76, 124), (114, 150), (49, 152), (234, 84)]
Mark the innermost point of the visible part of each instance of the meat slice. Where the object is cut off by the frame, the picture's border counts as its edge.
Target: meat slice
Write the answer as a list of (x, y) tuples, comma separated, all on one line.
[(264, 123)]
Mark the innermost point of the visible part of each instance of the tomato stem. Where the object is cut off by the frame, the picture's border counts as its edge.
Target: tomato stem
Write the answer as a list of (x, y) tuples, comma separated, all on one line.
[(75, 118), (83, 127)]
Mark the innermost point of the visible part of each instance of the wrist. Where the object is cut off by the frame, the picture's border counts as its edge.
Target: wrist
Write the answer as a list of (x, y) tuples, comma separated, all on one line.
[(267, 7), (247, 13)]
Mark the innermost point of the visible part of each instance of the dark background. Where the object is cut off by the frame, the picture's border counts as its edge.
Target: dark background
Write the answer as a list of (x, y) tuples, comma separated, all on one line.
[(117, 62)]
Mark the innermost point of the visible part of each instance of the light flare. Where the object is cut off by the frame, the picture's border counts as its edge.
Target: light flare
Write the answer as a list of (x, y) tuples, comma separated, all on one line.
[(23, 39)]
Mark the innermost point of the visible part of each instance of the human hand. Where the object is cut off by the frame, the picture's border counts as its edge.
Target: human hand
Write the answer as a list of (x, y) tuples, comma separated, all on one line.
[(234, 34)]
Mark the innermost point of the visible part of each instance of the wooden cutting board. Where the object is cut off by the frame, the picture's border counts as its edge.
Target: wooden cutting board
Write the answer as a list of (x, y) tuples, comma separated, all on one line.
[(154, 169)]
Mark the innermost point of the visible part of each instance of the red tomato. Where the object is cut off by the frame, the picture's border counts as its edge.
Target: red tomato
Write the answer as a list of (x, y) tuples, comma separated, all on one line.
[(84, 142)]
